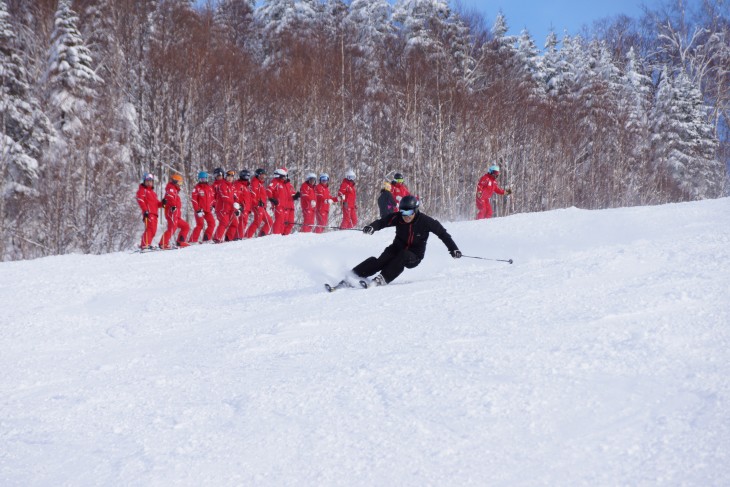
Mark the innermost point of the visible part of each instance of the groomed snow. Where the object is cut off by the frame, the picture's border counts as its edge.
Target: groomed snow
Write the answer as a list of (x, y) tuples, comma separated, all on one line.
[(600, 357)]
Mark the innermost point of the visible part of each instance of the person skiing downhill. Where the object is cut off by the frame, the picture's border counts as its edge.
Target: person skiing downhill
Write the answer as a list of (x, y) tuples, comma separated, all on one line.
[(486, 187), (308, 201), (412, 229), (173, 214), (348, 196), (149, 204), (324, 200), (203, 199)]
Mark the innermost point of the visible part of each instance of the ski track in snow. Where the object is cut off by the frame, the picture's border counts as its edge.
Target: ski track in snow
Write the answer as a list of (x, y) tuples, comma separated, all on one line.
[(600, 357)]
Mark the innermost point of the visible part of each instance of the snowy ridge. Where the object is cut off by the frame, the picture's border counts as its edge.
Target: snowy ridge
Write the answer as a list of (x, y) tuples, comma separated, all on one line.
[(599, 358)]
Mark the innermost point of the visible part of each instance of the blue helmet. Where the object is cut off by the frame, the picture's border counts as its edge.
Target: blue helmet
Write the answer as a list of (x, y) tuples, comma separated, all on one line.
[(148, 177), (203, 175), (324, 177), (494, 169)]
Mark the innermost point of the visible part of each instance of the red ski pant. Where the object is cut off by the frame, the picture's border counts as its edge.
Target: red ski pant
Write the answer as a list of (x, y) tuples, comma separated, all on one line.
[(484, 210), (307, 220), (173, 225), (200, 221), (242, 221), (227, 226), (349, 216), (323, 217), (150, 229), (260, 215), (283, 221)]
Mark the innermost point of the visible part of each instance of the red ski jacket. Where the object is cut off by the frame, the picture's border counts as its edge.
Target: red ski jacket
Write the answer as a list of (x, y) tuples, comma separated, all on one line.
[(347, 193), (309, 196), (282, 190), (203, 197), (147, 199), (172, 200), (258, 193), (242, 194), (399, 191), (486, 187), (224, 197), (324, 198)]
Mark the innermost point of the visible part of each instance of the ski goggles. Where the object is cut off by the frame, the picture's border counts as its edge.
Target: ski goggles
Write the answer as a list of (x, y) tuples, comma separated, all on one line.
[(399, 181), (407, 212)]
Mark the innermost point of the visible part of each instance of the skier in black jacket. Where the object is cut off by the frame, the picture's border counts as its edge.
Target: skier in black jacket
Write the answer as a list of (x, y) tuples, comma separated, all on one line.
[(386, 201), (409, 246)]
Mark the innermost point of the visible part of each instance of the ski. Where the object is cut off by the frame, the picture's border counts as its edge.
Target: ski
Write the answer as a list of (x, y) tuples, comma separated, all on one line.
[(342, 284), (365, 284)]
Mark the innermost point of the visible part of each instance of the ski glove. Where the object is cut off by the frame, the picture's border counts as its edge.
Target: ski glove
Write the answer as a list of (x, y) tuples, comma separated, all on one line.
[(237, 212), (297, 195), (313, 204), (368, 230), (236, 206), (274, 201), (261, 204), (145, 215), (200, 214), (508, 191), (172, 209), (164, 202), (456, 254)]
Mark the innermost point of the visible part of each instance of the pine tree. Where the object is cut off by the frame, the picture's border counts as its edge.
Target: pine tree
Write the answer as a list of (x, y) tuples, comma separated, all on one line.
[(70, 75), (683, 139), (235, 18), (25, 129)]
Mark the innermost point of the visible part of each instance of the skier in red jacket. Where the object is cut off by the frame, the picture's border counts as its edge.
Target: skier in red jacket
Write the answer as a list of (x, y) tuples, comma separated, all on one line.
[(398, 188), (324, 200), (173, 214), (308, 201), (348, 197), (226, 207), (282, 196), (258, 202), (242, 191), (203, 199), (486, 187), (149, 204)]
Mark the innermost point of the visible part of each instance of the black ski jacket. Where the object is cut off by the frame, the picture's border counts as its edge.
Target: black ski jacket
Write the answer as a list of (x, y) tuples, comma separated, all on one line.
[(413, 236), (386, 203)]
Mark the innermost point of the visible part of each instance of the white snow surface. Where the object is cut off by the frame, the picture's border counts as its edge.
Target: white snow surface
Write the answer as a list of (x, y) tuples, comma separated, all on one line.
[(600, 357)]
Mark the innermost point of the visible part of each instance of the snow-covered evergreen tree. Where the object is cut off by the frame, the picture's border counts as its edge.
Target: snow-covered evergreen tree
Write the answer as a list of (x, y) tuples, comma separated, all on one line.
[(283, 23), (235, 18), (529, 58), (683, 139), (25, 130), (70, 75)]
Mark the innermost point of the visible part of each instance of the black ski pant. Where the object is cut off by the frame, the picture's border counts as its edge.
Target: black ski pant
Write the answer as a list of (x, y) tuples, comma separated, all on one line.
[(390, 263)]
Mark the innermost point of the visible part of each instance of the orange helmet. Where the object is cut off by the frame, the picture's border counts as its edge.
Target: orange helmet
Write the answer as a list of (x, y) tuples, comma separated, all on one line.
[(177, 179)]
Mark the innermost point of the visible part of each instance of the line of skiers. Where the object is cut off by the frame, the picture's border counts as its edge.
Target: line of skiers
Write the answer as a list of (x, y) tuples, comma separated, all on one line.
[(233, 202), (224, 207)]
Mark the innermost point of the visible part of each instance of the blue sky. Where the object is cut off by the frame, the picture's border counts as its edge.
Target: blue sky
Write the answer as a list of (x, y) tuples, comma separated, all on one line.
[(538, 15)]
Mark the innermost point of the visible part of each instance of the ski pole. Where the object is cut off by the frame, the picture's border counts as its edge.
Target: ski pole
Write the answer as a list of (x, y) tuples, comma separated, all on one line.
[(325, 226), (486, 258)]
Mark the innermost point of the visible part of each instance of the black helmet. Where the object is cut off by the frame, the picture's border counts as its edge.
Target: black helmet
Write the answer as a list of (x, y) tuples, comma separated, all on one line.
[(244, 175), (398, 177), (218, 170), (260, 172), (408, 203)]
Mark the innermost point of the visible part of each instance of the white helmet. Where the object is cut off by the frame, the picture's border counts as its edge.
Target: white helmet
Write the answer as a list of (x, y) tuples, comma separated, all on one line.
[(281, 173), (350, 174), (310, 175)]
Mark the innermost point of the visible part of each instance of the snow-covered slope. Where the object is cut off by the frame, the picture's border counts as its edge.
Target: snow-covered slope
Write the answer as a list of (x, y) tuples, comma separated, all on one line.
[(600, 357)]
